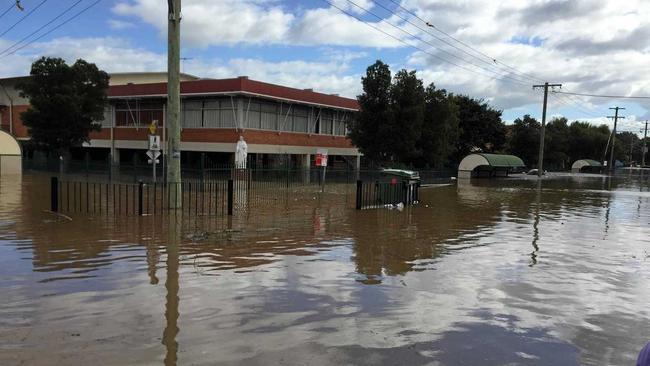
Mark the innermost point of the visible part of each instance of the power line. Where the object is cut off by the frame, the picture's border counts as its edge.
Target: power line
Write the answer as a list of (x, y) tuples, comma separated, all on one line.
[(53, 29), (39, 29), (574, 105), (429, 43), (488, 63), (492, 59), (409, 44), (603, 95), (23, 18), (8, 10)]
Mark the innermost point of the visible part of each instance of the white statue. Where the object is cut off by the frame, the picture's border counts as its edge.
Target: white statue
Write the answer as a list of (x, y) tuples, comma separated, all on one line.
[(240, 153)]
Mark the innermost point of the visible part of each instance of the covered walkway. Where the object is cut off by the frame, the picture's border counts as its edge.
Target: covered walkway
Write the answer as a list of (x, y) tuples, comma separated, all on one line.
[(489, 165), (586, 166)]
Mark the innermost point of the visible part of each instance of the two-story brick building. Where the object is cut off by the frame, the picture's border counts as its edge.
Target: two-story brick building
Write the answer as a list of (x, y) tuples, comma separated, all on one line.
[(278, 123)]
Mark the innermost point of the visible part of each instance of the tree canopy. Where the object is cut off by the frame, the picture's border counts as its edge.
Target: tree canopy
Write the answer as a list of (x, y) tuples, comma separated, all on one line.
[(401, 122), (523, 139), (64, 102)]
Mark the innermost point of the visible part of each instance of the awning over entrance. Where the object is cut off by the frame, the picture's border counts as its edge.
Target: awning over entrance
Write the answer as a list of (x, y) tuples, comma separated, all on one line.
[(586, 165), (475, 165)]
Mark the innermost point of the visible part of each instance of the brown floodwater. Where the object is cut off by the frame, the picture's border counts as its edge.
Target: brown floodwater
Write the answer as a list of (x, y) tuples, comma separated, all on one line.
[(502, 272)]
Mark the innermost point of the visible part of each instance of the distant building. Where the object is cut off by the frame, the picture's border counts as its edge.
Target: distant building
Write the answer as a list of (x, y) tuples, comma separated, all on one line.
[(280, 124)]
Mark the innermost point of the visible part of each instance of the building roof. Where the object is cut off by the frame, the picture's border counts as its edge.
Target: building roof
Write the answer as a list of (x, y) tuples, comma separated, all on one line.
[(471, 161), (579, 164), (124, 78), (589, 162), (236, 86), (502, 160)]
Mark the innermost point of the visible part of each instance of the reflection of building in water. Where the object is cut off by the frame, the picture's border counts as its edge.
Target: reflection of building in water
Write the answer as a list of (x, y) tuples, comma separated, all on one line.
[(10, 194)]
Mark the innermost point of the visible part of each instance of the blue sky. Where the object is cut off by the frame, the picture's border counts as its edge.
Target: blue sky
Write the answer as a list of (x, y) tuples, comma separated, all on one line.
[(590, 46)]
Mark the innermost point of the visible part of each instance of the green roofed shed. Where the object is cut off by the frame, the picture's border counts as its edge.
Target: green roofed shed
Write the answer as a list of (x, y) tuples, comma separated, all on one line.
[(489, 165), (586, 166)]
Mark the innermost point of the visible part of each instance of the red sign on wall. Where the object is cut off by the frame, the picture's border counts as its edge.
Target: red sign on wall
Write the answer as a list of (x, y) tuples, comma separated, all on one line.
[(321, 157)]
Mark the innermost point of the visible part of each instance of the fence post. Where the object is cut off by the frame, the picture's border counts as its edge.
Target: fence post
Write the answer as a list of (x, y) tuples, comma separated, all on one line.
[(230, 196), (54, 194), (359, 194), (140, 198)]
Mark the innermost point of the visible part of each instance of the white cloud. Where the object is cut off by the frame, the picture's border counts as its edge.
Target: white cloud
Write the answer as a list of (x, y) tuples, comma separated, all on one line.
[(332, 75), (596, 46), (116, 24), (217, 22)]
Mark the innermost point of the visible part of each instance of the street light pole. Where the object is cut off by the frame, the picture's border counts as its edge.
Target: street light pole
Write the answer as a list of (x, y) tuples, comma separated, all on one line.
[(174, 103), (645, 136), (540, 161), (611, 155)]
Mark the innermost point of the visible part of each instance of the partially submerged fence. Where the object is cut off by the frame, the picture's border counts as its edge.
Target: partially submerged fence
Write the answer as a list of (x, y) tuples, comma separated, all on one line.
[(220, 195), (110, 198), (380, 194)]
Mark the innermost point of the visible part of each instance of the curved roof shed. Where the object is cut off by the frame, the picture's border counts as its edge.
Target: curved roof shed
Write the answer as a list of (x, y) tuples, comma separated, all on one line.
[(586, 165), (10, 155), (490, 165)]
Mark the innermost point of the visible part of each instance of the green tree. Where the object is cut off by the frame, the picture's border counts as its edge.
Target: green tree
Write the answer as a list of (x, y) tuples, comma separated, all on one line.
[(587, 141), (556, 146), (481, 127), (373, 123), (523, 140), (407, 105), (64, 102), (439, 128), (630, 147)]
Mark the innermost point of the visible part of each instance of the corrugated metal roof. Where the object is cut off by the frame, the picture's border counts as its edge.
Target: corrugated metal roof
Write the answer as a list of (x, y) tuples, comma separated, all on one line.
[(502, 160), (591, 162)]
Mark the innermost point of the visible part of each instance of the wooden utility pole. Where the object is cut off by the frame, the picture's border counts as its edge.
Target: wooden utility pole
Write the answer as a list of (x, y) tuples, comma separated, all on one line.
[(611, 155), (174, 103), (645, 136), (540, 161)]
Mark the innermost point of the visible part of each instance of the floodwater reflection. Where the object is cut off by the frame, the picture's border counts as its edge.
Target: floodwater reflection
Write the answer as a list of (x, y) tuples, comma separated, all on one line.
[(488, 272)]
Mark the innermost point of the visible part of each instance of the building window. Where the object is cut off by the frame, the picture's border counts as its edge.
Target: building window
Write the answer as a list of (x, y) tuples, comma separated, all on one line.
[(300, 119), (253, 115), (192, 114), (137, 113), (326, 122), (269, 116)]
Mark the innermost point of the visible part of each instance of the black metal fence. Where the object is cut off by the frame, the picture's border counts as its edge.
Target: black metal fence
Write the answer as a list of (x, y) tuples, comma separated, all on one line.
[(141, 199), (291, 175), (379, 194)]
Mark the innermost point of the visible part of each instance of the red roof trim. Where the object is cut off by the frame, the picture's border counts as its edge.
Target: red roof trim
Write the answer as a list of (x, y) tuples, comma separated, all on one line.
[(238, 85)]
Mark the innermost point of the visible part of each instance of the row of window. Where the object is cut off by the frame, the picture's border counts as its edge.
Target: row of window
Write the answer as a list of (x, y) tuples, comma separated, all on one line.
[(222, 113)]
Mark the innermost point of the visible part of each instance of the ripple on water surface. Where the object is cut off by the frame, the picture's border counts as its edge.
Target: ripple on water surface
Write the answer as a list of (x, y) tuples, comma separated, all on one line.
[(500, 272)]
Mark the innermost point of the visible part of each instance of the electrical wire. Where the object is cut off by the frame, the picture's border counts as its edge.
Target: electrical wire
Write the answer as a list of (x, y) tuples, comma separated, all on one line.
[(23, 18), (53, 29), (492, 59), (575, 106), (414, 46), (39, 29), (603, 95), (488, 63), (524, 82), (7, 11)]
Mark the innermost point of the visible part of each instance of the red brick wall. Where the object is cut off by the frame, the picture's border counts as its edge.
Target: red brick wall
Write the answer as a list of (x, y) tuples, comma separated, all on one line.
[(231, 136), (19, 129)]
